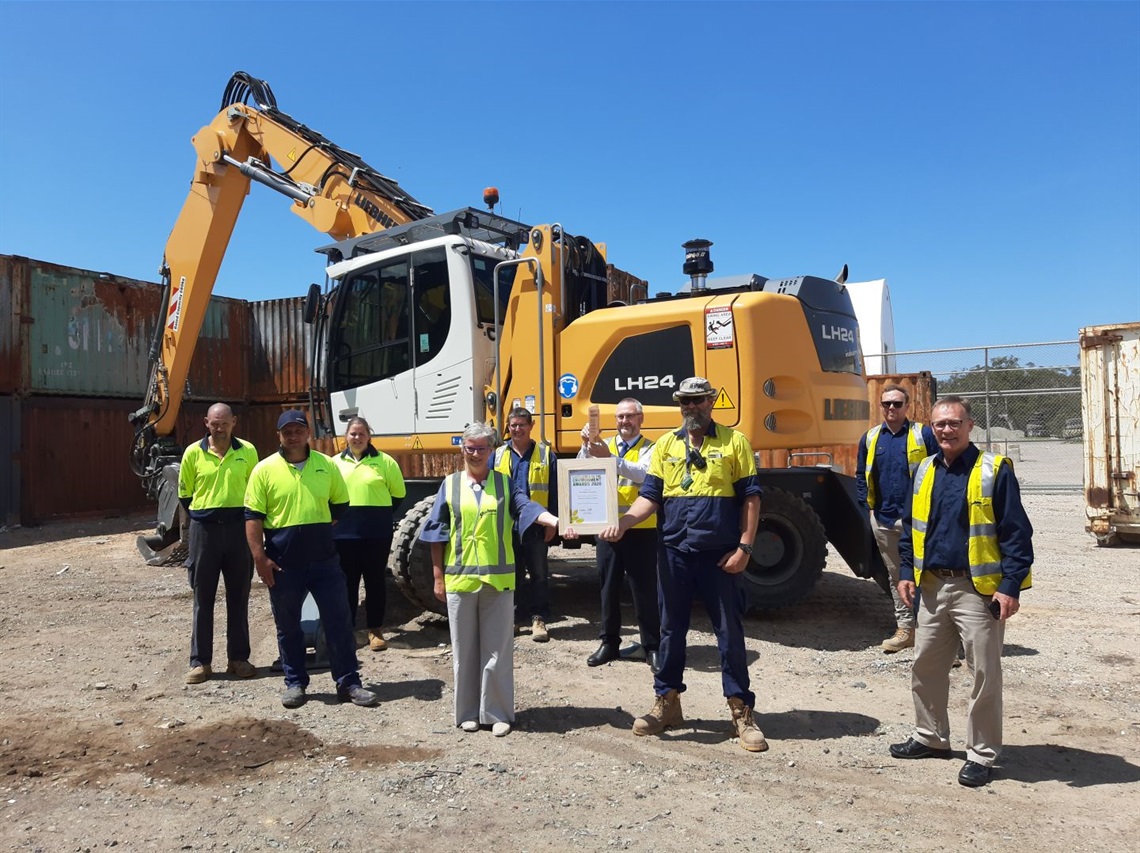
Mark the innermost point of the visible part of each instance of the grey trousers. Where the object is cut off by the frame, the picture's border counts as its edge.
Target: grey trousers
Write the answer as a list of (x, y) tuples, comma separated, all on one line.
[(483, 649), (951, 608), (887, 538)]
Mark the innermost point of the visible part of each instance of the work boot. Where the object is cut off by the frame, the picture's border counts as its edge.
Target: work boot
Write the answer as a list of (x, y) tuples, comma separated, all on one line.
[(241, 669), (199, 673), (376, 640), (744, 727), (293, 697), (538, 631), (903, 639), (666, 714), (357, 695)]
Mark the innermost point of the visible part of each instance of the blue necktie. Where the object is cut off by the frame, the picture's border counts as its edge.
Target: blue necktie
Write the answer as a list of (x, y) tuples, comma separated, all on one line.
[(623, 448)]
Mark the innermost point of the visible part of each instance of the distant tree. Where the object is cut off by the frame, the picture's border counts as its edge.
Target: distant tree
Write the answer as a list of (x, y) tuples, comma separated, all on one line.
[(1018, 394)]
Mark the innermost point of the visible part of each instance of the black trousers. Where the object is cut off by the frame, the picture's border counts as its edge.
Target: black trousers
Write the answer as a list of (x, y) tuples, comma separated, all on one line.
[(367, 559), (219, 551), (634, 556)]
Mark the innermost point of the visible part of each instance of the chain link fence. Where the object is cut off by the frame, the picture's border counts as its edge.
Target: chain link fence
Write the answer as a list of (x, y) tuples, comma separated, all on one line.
[(1026, 401)]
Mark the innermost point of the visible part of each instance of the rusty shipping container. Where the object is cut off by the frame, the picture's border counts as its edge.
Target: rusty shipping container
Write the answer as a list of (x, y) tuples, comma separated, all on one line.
[(74, 332), (281, 351), (13, 287), (1110, 425), (10, 429)]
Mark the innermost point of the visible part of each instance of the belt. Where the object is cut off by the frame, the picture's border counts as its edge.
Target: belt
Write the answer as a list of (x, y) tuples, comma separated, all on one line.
[(949, 573)]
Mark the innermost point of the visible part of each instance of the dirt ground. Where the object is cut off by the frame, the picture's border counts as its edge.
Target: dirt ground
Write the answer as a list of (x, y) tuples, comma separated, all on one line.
[(103, 745)]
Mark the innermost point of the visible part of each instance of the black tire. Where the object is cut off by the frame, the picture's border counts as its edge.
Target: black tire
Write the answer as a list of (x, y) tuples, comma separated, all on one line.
[(410, 560), (788, 554)]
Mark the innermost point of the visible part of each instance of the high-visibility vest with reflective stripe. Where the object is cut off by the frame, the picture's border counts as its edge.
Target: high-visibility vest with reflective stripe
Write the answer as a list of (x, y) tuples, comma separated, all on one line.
[(627, 489), (538, 472), (915, 453), (479, 550), (984, 551)]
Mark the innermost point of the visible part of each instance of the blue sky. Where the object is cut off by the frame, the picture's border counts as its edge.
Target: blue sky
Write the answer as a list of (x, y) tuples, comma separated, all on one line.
[(983, 157)]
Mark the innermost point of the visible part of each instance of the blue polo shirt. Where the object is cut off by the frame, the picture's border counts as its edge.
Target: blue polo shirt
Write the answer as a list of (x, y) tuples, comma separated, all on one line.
[(948, 529)]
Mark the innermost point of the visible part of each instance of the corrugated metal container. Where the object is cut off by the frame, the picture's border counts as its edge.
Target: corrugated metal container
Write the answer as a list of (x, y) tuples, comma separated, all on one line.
[(219, 369), (281, 347), (81, 333), (1110, 378), (922, 388), (13, 286), (87, 333), (74, 458), (10, 460)]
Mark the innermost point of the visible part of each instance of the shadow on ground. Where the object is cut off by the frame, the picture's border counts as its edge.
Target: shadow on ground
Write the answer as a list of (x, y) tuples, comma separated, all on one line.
[(1078, 768)]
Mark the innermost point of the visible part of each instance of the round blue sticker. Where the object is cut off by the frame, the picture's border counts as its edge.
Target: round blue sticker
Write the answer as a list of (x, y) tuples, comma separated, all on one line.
[(568, 386)]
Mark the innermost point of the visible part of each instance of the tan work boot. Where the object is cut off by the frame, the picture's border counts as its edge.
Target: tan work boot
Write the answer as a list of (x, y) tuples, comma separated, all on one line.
[(376, 640), (744, 727), (538, 631), (198, 674), (666, 714), (903, 639), (241, 668)]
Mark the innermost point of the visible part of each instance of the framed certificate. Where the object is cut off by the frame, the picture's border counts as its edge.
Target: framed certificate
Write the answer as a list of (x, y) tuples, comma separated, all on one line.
[(587, 495)]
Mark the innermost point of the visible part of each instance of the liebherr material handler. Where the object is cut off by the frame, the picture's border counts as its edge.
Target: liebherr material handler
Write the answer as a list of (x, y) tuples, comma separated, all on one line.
[(429, 322)]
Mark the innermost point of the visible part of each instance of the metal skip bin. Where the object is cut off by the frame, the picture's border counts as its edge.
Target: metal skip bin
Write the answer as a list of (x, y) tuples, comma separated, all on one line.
[(1110, 410)]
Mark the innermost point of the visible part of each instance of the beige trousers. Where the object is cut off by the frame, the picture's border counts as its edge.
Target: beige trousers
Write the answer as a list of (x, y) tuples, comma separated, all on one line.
[(887, 538), (483, 650), (950, 609)]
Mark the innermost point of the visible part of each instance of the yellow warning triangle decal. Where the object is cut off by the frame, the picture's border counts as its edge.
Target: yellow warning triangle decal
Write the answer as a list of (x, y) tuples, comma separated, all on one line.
[(417, 444), (723, 401), (292, 155)]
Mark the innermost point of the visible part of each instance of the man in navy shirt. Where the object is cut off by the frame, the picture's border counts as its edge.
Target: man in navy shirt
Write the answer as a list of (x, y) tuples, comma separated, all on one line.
[(968, 544), (887, 457)]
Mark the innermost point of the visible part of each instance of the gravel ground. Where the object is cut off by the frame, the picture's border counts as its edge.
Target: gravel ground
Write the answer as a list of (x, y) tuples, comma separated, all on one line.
[(104, 746)]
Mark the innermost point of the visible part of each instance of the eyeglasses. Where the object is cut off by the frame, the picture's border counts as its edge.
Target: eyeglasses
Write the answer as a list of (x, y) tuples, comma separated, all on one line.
[(892, 404), (520, 425), (950, 425), (691, 401), (475, 451), (628, 417)]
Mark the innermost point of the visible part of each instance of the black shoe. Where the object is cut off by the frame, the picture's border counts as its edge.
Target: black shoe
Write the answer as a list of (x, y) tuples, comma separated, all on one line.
[(293, 697), (357, 695), (604, 654), (974, 775), (651, 659), (914, 749)]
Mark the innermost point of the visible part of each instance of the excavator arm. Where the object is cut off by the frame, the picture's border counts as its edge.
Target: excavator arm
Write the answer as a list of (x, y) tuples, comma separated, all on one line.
[(332, 189)]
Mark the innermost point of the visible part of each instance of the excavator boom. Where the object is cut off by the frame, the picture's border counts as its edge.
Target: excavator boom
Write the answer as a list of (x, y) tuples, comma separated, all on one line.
[(334, 190)]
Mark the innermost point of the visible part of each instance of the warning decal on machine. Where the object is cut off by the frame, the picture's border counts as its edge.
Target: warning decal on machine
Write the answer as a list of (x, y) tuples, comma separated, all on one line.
[(718, 328)]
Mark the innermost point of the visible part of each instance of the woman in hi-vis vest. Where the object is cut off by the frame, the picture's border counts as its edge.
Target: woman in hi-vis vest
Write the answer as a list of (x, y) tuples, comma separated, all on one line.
[(473, 560)]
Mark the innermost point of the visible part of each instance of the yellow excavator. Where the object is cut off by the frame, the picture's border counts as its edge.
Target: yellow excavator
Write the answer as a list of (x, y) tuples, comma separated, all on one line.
[(429, 322)]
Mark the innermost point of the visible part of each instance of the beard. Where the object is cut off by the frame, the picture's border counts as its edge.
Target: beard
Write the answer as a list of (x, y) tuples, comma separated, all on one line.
[(696, 421)]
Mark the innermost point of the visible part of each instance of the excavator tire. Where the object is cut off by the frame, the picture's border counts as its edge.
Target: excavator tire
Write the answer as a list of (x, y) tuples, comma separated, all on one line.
[(788, 554), (410, 560)]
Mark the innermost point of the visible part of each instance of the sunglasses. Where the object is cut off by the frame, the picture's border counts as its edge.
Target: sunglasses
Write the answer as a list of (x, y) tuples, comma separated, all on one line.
[(892, 404), (691, 401)]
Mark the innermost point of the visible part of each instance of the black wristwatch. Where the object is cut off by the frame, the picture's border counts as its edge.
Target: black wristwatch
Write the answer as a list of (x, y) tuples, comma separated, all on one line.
[(747, 549)]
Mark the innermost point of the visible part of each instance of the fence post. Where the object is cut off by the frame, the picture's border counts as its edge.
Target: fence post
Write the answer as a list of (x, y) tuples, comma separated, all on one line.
[(986, 373)]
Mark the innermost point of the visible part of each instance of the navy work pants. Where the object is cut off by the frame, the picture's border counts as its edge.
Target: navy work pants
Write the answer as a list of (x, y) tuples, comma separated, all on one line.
[(325, 580), (683, 576), (532, 576), (367, 559), (219, 551), (633, 556)]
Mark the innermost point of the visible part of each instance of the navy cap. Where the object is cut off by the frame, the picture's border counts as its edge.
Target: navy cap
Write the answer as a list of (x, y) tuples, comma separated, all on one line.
[(292, 416)]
